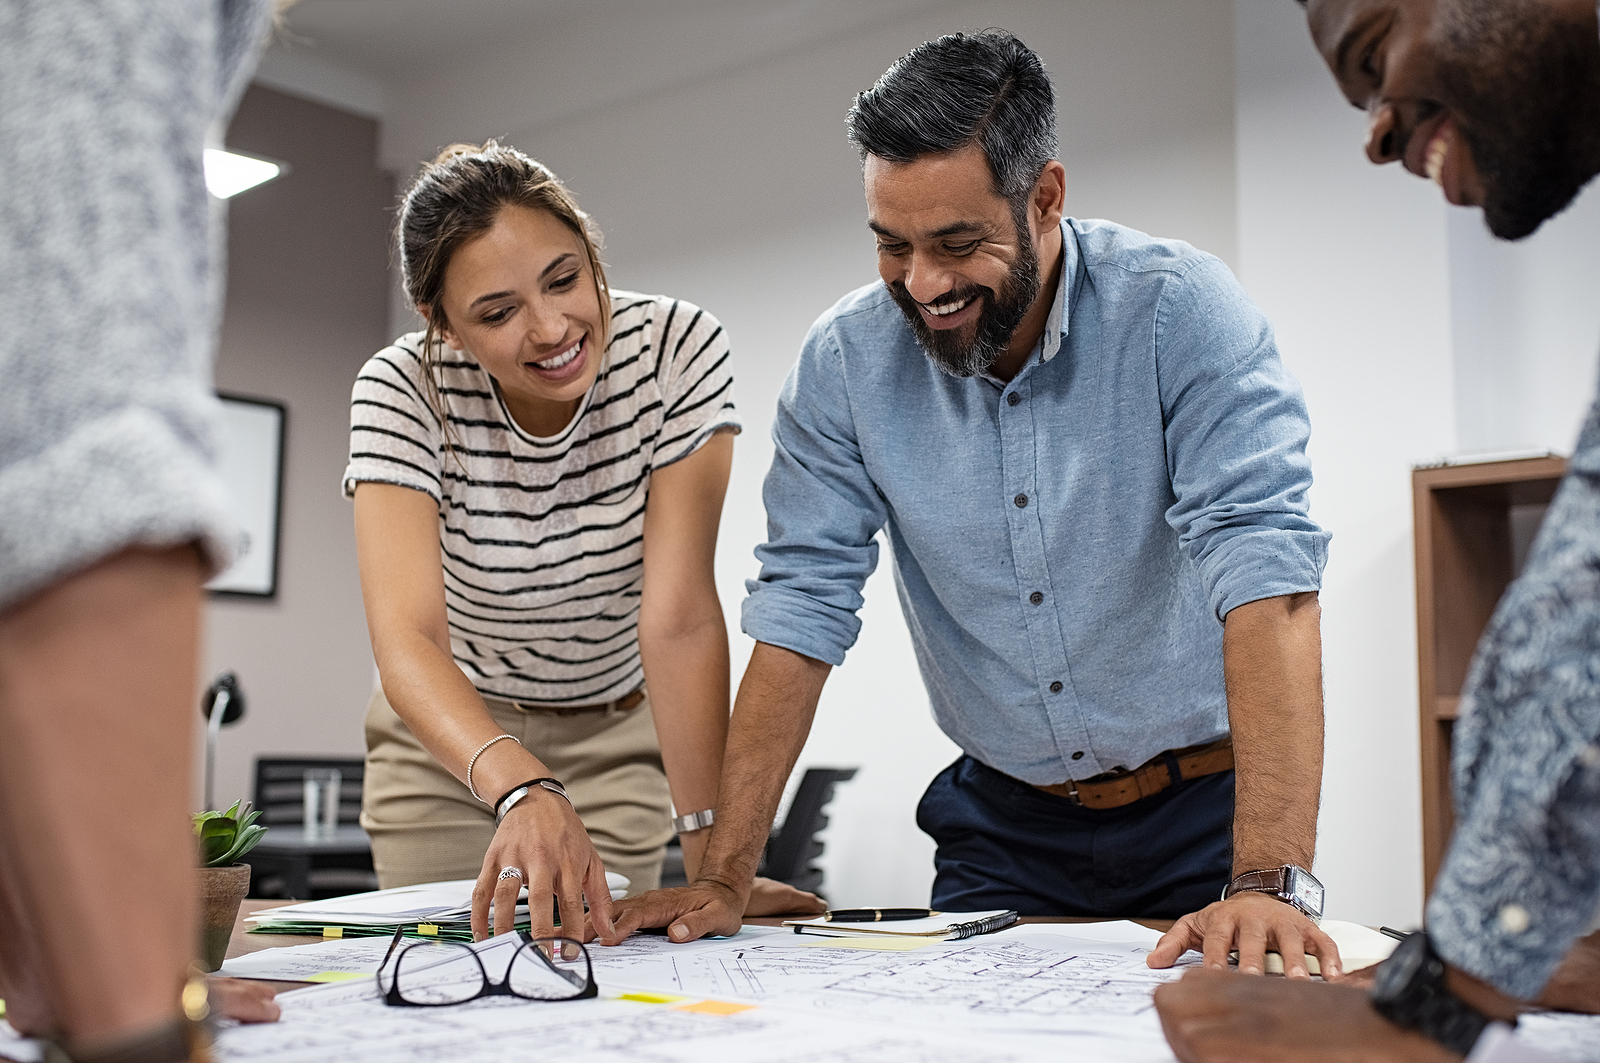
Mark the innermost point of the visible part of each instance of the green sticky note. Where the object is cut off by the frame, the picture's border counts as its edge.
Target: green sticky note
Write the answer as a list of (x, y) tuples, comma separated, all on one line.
[(650, 998), (337, 976)]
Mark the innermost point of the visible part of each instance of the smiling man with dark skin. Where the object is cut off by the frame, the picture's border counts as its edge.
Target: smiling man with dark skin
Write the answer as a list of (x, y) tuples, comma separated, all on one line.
[(1090, 465), (1499, 104)]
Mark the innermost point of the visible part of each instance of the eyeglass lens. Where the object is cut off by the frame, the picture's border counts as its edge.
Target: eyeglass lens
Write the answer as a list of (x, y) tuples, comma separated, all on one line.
[(438, 973)]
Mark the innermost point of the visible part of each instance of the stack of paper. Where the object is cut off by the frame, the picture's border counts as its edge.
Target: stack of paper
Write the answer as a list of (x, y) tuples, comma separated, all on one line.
[(444, 907)]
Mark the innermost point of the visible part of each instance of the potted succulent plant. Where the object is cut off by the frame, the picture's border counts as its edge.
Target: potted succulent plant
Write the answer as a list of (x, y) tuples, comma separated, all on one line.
[(223, 837)]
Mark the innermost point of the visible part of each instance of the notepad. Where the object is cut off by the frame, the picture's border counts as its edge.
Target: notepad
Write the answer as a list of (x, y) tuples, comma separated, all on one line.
[(950, 926)]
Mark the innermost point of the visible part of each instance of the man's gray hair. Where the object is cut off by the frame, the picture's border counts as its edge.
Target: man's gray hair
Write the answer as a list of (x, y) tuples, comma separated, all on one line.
[(986, 87)]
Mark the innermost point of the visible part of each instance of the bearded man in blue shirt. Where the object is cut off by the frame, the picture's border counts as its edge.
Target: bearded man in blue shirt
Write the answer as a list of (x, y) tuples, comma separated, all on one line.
[(1091, 468)]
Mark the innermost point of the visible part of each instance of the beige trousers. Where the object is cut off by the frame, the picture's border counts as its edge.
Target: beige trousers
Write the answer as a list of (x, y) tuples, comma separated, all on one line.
[(426, 827)]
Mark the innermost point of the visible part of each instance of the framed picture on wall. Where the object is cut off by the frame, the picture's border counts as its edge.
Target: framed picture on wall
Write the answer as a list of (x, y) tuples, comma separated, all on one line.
[(252, 470)]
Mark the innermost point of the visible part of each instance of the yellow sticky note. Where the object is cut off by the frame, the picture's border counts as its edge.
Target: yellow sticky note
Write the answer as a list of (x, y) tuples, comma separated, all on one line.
[(428, 929), (717, 1007), (337, 976), (874, 944), (650, 998), (333, 931)]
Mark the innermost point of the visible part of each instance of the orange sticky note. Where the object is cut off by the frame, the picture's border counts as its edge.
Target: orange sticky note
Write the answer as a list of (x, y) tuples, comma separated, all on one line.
[(717, 1007)]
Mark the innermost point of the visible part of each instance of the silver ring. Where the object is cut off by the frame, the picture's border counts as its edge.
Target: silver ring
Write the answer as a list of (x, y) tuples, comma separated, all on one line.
[(510, 872)]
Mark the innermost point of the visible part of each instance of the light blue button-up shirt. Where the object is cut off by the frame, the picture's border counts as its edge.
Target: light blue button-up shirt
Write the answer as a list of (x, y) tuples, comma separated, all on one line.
[(1064, 545)]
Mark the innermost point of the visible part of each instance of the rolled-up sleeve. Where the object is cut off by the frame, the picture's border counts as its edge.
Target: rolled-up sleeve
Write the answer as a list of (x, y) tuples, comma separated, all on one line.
[(1521, 880), (823, 512), (1236, 431)]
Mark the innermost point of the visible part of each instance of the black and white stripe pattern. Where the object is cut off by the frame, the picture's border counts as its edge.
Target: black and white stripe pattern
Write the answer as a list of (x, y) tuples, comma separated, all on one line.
[(542, 540)]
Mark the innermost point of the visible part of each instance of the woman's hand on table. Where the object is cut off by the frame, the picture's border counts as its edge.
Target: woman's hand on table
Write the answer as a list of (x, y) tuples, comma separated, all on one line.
[(544, 839)]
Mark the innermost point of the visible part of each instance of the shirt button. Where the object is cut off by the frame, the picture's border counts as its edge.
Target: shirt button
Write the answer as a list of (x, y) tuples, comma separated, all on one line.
[(1037, 597), (1055, 688), (1021, 501), (1078, 755), (1013, 398)]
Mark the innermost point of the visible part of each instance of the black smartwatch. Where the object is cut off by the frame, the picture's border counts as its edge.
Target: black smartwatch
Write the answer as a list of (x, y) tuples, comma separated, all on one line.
[(1409, 990)]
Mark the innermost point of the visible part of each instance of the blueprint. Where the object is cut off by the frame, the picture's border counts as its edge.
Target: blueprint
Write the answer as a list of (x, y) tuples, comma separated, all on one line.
[(347, 1022), (1027, 978), (1027, 993)]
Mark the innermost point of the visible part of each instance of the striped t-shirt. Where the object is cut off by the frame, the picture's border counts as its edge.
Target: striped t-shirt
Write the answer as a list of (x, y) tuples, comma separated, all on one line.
[(542, 540)]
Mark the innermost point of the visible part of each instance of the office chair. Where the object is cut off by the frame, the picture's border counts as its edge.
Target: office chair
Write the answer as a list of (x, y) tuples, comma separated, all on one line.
[(280, 795), (793, 846)]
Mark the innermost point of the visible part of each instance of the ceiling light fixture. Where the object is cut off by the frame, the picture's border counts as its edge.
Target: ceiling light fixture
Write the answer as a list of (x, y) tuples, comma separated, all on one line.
[(228, 173)]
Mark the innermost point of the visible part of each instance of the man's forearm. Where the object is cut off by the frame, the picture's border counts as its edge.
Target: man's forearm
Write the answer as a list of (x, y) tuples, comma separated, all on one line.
[(771, 719), (1272, 662)]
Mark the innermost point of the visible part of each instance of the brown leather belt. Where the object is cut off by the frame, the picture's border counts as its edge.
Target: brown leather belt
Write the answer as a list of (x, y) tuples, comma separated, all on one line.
[(622, 704), (1117, 788)]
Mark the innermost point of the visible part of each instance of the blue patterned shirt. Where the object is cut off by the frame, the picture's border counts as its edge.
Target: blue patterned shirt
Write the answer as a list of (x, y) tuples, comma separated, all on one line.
[(1065, 545), (1521, 880)]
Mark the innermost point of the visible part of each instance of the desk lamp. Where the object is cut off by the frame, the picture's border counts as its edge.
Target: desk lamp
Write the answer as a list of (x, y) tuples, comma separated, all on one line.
[(222, 703)]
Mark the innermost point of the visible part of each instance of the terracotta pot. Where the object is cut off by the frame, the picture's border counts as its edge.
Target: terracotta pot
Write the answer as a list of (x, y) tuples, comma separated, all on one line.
[(221, 890)]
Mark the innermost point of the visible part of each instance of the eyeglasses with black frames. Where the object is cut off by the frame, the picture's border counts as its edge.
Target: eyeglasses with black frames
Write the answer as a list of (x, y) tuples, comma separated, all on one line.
[(433, 974)]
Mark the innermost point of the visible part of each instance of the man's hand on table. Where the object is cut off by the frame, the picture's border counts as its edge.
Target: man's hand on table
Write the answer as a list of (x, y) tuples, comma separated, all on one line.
[(1252, 923), (708, 907), (1217, 1015)]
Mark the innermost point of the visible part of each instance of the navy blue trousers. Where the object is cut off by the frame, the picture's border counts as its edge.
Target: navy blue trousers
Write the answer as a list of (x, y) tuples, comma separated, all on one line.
[(1005, 844)]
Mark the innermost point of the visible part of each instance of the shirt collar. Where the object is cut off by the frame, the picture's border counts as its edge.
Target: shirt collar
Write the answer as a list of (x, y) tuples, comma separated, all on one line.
[(1055, 326)]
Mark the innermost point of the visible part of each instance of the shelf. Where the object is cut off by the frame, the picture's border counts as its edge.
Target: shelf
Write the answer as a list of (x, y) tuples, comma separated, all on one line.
[(1474, 525)]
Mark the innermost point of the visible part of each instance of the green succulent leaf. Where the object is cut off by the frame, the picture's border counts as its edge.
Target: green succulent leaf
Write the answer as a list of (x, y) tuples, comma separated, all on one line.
[(226, 836)]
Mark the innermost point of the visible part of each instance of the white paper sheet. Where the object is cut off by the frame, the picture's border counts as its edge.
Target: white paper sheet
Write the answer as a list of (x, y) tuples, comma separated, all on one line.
[(303, 963)]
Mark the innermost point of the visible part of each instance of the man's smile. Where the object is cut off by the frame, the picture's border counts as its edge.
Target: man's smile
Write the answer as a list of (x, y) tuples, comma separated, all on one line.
[(951, 311)]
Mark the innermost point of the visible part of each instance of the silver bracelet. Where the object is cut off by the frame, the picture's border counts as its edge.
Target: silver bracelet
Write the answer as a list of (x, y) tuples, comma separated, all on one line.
[(693, 821), (509, 801), (470, 788)]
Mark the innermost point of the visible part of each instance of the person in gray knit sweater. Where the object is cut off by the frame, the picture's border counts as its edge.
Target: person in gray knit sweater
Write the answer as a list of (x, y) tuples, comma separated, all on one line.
[(111, 510)]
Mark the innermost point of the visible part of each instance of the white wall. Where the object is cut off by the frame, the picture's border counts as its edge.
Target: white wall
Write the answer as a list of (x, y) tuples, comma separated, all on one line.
[(1526, 322), (1350, 262)]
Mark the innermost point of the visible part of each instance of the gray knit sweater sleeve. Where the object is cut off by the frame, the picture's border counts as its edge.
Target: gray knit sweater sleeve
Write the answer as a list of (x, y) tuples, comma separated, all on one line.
[(109, 253), (1521, 880)]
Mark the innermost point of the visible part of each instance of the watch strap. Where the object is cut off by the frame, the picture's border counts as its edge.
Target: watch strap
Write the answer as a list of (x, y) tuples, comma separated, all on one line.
[(1271, 881), (1426, 1004)]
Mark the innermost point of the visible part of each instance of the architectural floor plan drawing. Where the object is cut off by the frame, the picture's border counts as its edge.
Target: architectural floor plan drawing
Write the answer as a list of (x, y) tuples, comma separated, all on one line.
[(347, 1022), (1038, 992), (1023, 978)]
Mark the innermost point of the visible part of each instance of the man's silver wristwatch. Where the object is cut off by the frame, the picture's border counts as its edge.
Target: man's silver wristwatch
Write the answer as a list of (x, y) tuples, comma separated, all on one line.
[(693, 821), (1291, 884)]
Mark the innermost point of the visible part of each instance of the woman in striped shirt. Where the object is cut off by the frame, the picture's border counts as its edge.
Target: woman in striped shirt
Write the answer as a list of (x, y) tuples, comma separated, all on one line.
[(538, 479)]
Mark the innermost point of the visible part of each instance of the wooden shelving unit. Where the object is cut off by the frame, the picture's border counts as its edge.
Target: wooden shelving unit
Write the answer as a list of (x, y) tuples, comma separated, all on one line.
[(1473, 527)]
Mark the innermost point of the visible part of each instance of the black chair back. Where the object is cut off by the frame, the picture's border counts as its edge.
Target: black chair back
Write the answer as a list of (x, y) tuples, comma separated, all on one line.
[(280, 788), (794, 847)]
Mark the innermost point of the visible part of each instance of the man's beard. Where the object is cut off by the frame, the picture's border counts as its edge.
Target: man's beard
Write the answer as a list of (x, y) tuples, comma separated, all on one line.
[(1531, 115), (997, 321)]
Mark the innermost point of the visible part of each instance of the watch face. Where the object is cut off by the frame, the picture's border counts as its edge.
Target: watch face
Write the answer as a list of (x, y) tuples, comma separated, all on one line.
[(1306, 891)]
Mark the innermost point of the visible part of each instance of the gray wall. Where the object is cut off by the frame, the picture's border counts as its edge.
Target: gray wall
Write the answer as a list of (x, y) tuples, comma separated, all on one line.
[(307, 303)]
